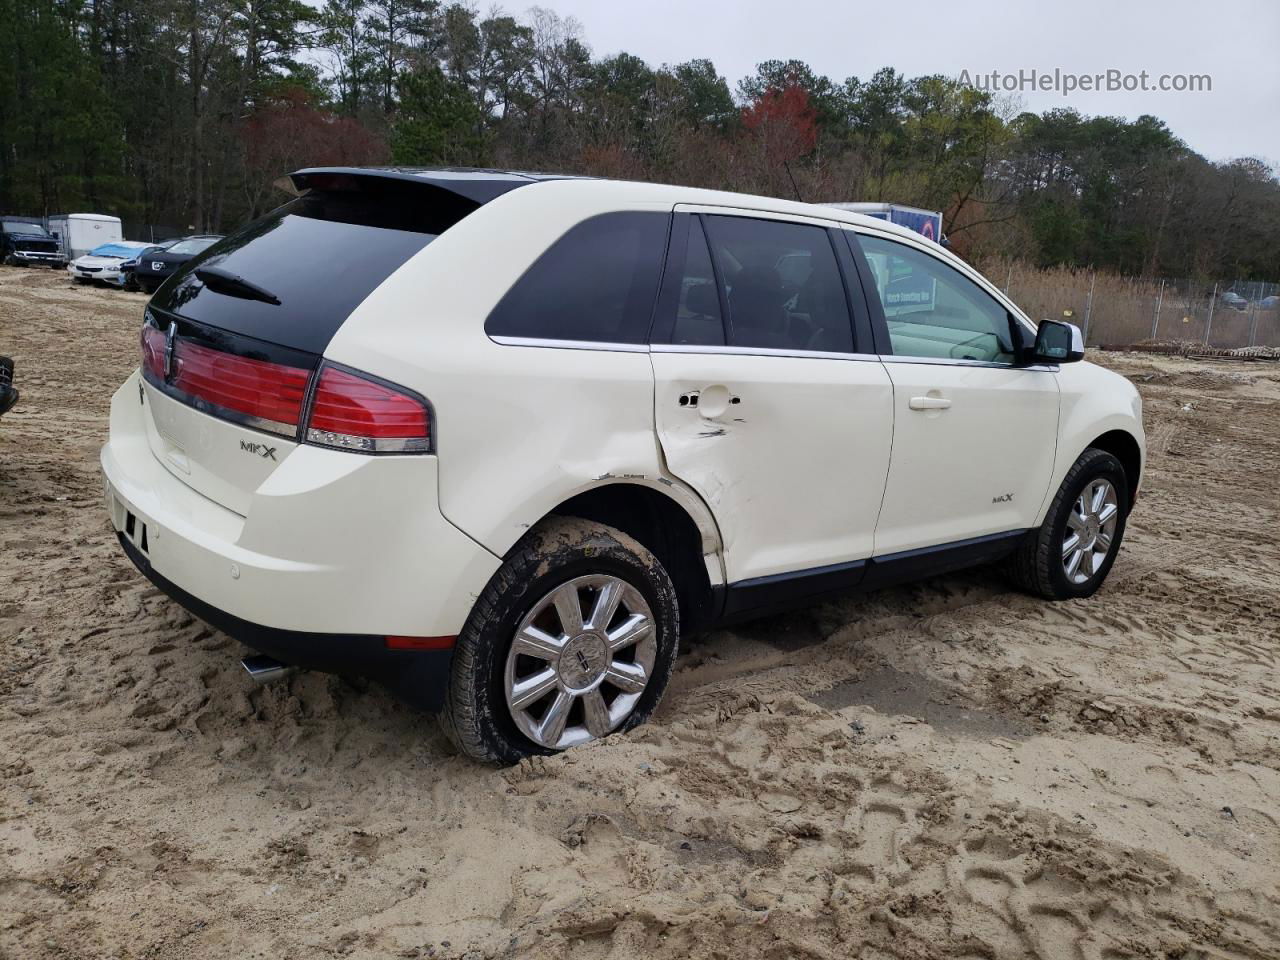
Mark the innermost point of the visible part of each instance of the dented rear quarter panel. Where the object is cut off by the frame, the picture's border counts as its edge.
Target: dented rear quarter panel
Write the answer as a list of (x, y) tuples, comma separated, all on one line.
[(518, 429)]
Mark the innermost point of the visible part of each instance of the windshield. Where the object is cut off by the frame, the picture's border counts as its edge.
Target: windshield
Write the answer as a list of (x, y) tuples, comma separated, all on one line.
[(113, 250), (11, 227), (192, 246)]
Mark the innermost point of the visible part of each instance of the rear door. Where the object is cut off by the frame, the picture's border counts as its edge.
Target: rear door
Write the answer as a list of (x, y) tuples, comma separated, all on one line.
[(764, 401), (974, 434)]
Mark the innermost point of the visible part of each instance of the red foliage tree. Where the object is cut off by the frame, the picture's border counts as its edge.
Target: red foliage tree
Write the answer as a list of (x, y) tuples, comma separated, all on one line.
[(290, 132), (783, 122)]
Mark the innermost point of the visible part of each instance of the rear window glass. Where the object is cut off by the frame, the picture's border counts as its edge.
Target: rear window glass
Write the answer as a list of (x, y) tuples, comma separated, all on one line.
[(319, 255), (596, 283)]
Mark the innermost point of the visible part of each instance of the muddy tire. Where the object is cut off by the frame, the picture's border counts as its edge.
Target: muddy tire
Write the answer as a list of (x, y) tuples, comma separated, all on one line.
[(1070, 554), (532, 676)]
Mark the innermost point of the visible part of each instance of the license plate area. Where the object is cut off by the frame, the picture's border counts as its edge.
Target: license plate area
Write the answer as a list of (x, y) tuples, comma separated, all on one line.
[(131, 525)]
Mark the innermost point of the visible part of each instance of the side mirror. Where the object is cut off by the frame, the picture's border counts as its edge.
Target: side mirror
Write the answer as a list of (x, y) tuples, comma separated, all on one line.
[(1057, 342)]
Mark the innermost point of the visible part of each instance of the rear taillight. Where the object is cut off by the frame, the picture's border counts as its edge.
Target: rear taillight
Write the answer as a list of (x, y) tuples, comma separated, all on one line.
[(261, 394), (353, 412), (153, 347), (348, 410)]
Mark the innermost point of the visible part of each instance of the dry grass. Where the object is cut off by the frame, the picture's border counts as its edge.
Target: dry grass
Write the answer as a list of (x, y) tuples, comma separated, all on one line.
[(1125, 310)]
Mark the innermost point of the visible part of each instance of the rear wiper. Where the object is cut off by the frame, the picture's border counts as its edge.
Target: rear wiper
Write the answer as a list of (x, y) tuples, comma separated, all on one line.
[(232, 285)]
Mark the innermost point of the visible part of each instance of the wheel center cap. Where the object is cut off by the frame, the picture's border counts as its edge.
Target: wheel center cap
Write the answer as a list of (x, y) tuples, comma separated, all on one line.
[(1091, 528), (583, 661)]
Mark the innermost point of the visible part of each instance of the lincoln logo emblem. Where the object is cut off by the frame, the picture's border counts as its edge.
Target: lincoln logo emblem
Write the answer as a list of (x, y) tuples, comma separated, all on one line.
[(583, 661)]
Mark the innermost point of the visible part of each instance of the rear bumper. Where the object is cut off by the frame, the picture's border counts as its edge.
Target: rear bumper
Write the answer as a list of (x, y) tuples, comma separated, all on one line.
[(333, 553), (418, 676)]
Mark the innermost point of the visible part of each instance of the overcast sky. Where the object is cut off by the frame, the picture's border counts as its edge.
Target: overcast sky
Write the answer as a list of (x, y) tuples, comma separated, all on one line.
[(1235, 42)]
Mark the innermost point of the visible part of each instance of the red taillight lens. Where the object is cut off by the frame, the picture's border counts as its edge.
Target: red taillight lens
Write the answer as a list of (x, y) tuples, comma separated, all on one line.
[(351, 412), (153, 345), (265, 395)]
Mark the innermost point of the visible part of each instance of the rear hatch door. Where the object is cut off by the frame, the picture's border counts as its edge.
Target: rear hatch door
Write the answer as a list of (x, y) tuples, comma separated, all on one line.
[(232, 339)]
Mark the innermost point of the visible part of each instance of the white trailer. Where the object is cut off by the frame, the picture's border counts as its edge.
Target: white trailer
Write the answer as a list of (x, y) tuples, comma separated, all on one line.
[(78, 233), (925, 222)]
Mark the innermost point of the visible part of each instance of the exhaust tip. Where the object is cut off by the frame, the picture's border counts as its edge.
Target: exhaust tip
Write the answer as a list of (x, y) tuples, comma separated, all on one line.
[(264, 669)]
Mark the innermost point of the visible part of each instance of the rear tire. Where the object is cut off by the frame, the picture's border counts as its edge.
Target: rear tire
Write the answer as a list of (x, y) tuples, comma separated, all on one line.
[(1069, 555), (485, 713)]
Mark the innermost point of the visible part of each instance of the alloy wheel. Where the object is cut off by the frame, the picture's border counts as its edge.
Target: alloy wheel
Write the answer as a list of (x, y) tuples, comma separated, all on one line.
[(580, 661), (1090, 531)]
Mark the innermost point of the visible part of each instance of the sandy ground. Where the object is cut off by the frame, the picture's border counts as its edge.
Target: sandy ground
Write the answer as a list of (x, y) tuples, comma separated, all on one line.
[(948, 769)]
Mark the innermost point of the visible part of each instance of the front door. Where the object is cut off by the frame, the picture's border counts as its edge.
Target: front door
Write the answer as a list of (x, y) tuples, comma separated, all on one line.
[(974, 435), (762, 404)]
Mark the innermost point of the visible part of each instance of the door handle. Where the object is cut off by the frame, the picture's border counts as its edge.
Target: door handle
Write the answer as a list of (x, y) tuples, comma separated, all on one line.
[(929, 403)]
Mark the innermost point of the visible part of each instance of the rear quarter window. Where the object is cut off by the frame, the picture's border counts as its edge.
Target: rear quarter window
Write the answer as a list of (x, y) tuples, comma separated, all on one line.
[(596, 283)]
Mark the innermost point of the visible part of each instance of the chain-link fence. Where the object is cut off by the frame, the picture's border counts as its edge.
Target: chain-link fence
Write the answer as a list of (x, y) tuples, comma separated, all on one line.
[(1117, 311)]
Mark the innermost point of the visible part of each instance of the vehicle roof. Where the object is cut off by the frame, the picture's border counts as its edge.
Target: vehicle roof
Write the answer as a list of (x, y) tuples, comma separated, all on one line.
[(481, 185)]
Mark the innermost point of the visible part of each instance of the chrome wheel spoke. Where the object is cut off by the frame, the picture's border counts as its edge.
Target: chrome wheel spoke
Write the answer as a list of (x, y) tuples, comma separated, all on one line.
[(596, 713), (1070, 544), (1073, 562), (525, 693), (1108, 511), (1075, 522), (630, 631), (1088, 566), (569, 609), (627, 677), (1082, 506), (1100, 491), (606, 605), (551, 729), (1103, 542), (532, 642)]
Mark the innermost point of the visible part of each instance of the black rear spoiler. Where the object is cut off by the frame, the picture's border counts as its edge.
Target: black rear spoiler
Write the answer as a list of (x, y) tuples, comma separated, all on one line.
[(477, 186)]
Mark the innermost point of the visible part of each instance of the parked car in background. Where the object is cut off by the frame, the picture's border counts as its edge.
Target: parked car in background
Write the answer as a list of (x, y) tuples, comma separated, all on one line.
[(155, 268), (128, 267), (25, 244), (499, 454), (102, 263), (8, 392), (78, 233), (1233, 300), (1269, 303)]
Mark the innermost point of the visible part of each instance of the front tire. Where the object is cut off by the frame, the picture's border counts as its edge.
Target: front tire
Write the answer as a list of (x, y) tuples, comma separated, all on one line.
[(1070, 554), (573, 639)]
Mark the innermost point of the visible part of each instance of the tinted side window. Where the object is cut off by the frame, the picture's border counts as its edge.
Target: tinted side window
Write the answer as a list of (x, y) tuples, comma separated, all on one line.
[(597, 283), (934, 311), (698, 317), (782, 285)]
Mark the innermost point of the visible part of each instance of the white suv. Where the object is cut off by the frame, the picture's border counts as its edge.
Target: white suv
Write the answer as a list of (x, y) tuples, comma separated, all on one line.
[(498, 439)]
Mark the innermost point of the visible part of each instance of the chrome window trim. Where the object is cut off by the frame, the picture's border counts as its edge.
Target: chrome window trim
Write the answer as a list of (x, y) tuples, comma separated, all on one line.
[(757, 351), (960, 362), (570, 344)]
